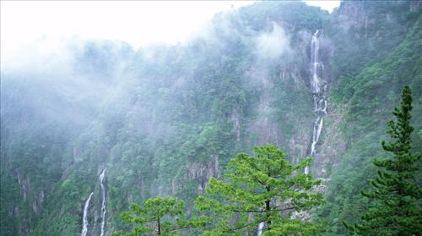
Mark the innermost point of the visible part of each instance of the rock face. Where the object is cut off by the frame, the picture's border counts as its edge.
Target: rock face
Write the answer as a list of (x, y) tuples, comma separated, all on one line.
[(352, 13), (202, 172), (332, 145), (184, 111)]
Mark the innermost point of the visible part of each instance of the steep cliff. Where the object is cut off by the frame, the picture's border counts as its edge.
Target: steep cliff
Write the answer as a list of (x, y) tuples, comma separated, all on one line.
[(163, 120), (376, 48)]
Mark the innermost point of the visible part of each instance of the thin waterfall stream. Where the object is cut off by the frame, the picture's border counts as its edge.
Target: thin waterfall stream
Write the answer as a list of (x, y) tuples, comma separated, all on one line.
[(85, 216), (260, 228), (85, 222), (319, 90), (103, 202)]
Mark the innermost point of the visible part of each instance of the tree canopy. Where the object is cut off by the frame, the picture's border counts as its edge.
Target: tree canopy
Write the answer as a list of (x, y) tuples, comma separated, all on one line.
[(158, 216), (395, 207), (264, 188)]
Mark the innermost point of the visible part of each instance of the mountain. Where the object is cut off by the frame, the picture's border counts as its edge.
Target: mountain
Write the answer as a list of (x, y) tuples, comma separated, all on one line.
[(126, 124)]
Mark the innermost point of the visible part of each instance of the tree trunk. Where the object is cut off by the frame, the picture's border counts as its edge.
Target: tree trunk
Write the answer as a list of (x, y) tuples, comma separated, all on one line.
[(268, 209), (158, 226)]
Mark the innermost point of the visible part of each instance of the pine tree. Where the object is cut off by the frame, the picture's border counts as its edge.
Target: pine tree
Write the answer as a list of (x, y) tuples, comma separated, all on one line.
[(396, 199), (262, 188), (158, 216)]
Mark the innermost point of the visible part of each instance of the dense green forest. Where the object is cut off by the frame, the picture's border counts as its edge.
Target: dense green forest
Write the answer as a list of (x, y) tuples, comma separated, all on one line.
[(170, 131)]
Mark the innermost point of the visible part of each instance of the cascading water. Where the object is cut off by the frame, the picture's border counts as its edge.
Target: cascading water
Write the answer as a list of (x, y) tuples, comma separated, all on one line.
[(103, 203), (85, 216), (319, 89), (260, 228)]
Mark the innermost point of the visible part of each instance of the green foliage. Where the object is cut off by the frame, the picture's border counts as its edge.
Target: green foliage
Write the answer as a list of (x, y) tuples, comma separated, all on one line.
[(296, 15), (384, 48), (158, 113), (395, 208), (158, 216), (266, 188), (369, 94), (9, 195)]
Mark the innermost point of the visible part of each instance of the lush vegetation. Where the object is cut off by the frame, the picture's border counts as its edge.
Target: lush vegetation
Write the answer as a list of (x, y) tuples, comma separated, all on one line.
[(163, 215), (167, 121), (365, 97), (395, 209), (264, 188)]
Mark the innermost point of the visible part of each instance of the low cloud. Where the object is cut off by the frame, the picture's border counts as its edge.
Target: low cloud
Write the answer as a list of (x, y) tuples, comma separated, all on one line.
[(272, 45), (46, 54)]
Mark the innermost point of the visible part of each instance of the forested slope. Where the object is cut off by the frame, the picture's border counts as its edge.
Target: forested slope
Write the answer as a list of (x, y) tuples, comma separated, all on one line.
[(163, 120), (385, 55)]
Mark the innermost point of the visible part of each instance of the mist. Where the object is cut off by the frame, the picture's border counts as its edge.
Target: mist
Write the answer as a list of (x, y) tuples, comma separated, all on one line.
[(92, 122)]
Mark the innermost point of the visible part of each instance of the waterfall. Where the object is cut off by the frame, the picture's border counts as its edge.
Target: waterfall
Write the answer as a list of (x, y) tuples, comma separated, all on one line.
[(260, 228), (85, 216), (103, 203), (319, 88)]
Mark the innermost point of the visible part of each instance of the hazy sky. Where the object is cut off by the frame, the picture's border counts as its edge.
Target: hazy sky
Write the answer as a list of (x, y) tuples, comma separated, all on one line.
[(328, 5), (137, 22)]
